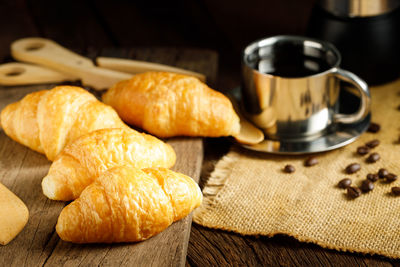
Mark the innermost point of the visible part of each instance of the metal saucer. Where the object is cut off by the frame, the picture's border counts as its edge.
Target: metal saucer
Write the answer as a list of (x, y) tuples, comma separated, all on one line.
[(337, 136), (340, 135)]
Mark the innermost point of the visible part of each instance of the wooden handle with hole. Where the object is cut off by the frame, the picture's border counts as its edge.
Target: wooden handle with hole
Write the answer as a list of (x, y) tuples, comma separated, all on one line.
[(50, 54), (16, 73), (136, 66)]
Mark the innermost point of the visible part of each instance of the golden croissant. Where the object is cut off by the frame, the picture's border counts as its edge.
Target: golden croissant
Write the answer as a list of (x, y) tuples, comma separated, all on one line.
[(126, 204), (168, 104), (87, 157), (47, 120)]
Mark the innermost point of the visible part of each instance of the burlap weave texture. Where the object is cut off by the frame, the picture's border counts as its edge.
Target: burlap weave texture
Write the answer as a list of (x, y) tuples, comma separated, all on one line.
[(248, 192)]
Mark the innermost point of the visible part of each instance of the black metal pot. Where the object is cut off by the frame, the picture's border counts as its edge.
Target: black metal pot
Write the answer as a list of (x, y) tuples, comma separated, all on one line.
[(366, 32)]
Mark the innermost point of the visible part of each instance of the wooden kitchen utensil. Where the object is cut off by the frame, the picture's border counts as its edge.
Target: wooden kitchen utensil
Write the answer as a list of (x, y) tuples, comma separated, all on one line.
[(136, 66), (16, 73), (50, 54)]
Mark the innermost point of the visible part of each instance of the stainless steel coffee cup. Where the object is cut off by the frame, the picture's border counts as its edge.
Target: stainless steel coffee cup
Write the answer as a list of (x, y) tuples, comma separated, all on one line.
[(291, 85)]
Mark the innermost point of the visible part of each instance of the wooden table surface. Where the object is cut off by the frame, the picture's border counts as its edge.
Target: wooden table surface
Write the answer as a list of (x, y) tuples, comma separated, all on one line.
[(90, 26)]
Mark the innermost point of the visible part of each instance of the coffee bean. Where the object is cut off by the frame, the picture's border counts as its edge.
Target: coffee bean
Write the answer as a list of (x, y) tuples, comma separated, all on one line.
[(353, 192), (362, 150), (391, 177), (373, 157), (289, 168), (373, 143), (372, 177), (344, 183), (367, 186), (352, 168), (382, 173), (374, 127), (311, 161), (396, 190)]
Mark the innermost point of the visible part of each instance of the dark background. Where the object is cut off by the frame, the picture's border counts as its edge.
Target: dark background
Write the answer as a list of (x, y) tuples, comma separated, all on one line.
[(224, 26)]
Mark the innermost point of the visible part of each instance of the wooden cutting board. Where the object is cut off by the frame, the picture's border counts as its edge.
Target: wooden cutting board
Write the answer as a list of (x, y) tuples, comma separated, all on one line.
[(22, 170)]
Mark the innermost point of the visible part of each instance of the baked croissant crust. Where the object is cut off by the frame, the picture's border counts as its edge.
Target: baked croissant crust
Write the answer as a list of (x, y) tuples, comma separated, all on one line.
[(168, 104), (47, 120), (88, 156), (126, 204)]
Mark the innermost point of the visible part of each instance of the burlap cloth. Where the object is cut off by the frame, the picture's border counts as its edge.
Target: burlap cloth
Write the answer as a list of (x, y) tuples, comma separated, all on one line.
[(248, 192)]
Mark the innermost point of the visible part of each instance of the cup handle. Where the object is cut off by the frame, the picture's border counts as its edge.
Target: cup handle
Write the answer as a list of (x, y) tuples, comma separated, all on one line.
[(362, 87)]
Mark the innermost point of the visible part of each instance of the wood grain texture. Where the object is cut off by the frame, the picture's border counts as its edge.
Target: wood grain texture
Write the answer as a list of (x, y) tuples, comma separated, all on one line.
[(22, 170), (218, 248)]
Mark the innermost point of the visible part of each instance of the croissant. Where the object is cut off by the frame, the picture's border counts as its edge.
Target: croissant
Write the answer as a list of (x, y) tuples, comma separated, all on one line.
[(88, 156), (126, 204), (47, 120), (168, 104)]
